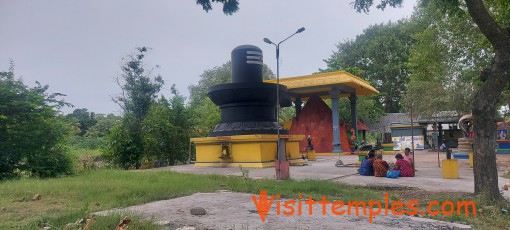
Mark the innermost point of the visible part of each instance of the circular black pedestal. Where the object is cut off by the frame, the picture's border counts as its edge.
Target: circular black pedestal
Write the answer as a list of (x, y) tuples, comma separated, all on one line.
[(246, 108)]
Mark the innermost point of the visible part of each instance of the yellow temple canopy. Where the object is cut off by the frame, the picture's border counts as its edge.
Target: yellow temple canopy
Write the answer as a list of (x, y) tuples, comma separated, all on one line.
[(323, 83)]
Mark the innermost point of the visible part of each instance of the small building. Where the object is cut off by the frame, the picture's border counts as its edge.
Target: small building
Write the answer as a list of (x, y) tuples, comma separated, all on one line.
[(435, 135), (403, 134)]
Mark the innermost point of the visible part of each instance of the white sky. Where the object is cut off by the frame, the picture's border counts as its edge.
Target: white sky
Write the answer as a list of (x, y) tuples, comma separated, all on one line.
[(76, 46)]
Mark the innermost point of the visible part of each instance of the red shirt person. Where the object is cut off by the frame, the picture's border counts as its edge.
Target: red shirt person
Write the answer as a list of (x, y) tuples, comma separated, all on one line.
[(406, 170)]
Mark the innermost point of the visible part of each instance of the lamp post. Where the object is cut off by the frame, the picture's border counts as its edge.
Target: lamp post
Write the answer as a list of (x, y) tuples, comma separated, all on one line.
[(279, 149)]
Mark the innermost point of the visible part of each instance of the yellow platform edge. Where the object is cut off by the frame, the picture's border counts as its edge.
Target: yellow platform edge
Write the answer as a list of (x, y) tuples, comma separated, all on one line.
[(250, 151)]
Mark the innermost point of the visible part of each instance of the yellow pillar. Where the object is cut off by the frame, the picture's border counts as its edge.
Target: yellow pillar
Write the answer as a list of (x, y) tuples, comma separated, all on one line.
[(450, 169), (471, 160)]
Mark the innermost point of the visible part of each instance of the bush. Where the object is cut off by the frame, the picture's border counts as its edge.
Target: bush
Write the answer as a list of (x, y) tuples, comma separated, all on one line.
[(124, 145), (79, 142), (32, 133)]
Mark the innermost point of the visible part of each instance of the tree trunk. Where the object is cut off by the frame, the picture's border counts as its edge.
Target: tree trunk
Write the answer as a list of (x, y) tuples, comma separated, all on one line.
[(486, 100), (388, 104)]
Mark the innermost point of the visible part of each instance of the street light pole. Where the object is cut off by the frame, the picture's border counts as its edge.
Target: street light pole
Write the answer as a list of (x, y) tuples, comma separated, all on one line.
[(279, 150)]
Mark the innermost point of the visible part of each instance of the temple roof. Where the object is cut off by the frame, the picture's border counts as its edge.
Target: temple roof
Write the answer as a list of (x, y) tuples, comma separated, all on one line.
[(321, 84)]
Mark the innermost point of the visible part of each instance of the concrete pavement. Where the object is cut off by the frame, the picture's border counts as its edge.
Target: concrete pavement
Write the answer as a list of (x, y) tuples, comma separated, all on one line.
[(428, 177)]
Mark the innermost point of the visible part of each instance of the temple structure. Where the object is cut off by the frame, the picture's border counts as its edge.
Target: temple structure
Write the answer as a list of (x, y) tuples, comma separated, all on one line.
[(311, 89), (247, 134)]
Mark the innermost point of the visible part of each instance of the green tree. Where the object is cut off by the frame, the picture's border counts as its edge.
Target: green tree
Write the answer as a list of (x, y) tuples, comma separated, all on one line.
[(84, 118), (103, 125), (492, 17), (158, 130), (166, 130), (140, 87), (33, 134), (444, 63), (206, 117), (381, 51)]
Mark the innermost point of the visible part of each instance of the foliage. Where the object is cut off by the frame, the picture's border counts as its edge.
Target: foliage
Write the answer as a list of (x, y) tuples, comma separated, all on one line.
[(150, 129), (229, 6), (166, 130), (491, 17), (287, 114), (207, 116), (103, 125), (445, 63), (381, 52), (139, 86), (78, 142), (32, 134), (84, 118), (125, 143)]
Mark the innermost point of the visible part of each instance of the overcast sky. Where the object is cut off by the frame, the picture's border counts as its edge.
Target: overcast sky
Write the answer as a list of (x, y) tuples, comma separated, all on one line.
[(76, 46)]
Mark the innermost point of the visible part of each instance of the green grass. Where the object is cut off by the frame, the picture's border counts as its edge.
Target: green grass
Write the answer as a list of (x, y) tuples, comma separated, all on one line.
[(67, 199), (83, 152)]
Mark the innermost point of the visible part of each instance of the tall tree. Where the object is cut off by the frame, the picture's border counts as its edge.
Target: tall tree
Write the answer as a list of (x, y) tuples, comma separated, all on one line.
[(444, 62), (140, 88), (492, 17), (381, 51)]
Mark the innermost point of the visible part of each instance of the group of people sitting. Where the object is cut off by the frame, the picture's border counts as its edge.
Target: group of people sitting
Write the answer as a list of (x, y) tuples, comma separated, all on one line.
[(374, 165)]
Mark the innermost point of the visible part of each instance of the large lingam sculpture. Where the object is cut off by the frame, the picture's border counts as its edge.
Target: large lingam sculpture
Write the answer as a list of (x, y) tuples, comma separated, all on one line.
[(248, 105), (246, 134)]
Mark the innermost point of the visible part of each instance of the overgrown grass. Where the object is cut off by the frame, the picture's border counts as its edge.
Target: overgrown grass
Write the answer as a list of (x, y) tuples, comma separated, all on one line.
[(67, 199), (83, 152)]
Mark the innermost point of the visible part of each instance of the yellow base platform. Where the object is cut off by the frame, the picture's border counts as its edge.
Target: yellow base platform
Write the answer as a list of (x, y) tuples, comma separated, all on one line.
[(248, 151), (450, 169)]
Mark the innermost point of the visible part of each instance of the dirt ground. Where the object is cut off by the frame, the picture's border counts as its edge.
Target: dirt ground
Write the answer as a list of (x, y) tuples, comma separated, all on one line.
[(229, 210)]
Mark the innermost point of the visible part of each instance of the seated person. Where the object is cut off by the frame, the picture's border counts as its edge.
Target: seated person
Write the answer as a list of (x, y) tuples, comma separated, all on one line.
[(406, 170), (408, 156), (380, 166), (367, 165)]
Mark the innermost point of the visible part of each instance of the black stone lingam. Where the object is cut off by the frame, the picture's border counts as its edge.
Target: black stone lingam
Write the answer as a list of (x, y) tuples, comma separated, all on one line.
[(247, 105)]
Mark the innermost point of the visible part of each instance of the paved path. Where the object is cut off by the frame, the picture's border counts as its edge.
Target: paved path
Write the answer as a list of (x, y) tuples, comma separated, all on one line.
[(428, 177)]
